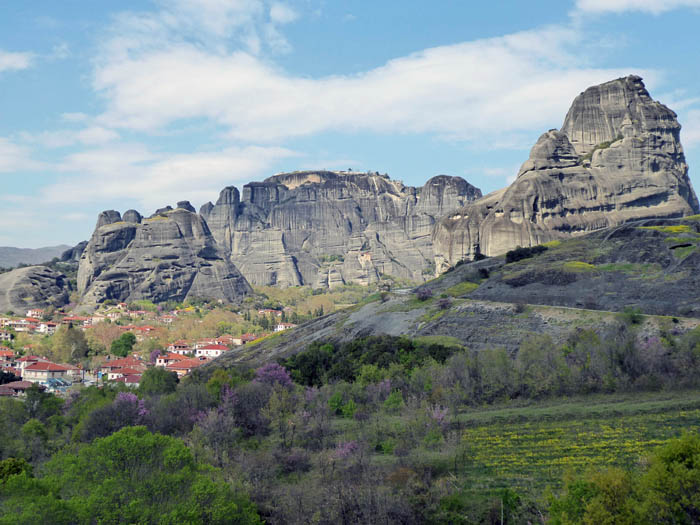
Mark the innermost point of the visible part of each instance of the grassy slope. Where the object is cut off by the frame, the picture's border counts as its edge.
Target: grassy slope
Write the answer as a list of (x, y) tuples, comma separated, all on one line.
[(531, 447)]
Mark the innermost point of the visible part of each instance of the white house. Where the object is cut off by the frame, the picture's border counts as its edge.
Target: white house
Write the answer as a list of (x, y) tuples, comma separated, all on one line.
[(211, 350), (281, 327)]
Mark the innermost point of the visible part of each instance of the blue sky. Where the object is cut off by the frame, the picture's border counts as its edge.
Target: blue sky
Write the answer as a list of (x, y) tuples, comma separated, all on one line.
[(118, 105)]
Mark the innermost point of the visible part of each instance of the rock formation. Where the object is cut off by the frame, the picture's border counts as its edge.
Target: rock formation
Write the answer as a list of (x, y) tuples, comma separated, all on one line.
[(32, 287), (171, 255), (325, 228), (617, 158)]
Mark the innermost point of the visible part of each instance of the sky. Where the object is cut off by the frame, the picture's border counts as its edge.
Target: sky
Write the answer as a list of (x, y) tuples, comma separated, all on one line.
[(119, 105)]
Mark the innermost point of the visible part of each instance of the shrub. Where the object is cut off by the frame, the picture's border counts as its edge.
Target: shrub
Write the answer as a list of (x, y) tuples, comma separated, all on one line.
[(524, 253), (158, 380), (424, 294), (273, 373)]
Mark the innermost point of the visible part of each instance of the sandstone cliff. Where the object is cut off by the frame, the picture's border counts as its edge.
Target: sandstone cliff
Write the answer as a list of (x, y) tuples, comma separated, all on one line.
[(32, 287), (171, 255), (617, 158), (325, 228)]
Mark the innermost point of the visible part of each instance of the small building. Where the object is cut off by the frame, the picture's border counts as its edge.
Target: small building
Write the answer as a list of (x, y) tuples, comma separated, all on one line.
[(132, 381), (47, 328), (180, 347), (249, 338), (42, 371), (77, 320), (74, 373), (269, 311), (6, 336), (24, 362), (19, 388), (184, 367), (124, 362), (6, 355), (170, 357), (35, 312), (116, 373), (211, 351), (281, 327)]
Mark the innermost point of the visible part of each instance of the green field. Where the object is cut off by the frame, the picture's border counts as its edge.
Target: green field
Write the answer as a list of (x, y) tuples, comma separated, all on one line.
[(532, 447)]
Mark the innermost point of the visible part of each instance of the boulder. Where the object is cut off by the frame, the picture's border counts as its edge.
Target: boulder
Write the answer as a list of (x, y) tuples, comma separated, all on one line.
[(32, 287)]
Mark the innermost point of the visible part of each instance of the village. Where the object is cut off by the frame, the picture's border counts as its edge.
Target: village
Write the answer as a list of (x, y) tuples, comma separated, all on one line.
[(24, 364)]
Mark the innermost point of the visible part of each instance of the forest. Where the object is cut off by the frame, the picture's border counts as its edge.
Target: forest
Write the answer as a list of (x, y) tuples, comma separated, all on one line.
[(381, 429)]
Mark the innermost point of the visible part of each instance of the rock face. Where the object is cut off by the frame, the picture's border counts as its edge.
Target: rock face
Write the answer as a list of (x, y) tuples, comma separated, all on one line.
[(32, 287), (617, 158), (171, 255), (325, 228), (72, 255)]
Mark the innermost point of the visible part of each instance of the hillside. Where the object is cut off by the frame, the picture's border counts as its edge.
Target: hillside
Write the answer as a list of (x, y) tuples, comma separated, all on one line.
[(11, 257), (652, 265)]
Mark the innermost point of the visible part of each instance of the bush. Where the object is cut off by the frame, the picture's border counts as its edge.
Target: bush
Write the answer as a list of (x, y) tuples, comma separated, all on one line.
[(132, 476), (158, 380), (123, 345), (524, 253), (424, 294)]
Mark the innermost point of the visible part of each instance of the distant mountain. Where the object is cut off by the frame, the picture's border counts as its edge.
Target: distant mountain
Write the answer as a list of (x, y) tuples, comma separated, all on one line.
[(11, 257)]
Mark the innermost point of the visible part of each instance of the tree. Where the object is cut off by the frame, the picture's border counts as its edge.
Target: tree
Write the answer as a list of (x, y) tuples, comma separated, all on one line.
[(158, 380), (123, 345), (132, 476), (69, 344), (13, 466)]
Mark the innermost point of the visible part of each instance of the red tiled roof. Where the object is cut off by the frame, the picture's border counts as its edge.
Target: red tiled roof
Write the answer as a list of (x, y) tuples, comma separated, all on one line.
[(214, 347), (6, 353), (28, 358), (186, 364), (126, 371), (21, 385), (172, 356), (48, 366)]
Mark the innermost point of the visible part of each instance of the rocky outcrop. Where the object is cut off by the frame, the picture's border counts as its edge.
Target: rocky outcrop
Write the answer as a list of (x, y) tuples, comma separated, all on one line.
[(171, 255), (617, 158), (326, 228), (32, 287), (72, 255)]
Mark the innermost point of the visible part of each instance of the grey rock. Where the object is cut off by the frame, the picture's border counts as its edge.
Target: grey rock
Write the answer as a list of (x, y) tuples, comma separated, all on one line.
[(617, 158), (73, 254), (32, 287), (132, 216), (205, 210), (168, 256), (185, 205), (108, 217), (326, 228), (161, 211)]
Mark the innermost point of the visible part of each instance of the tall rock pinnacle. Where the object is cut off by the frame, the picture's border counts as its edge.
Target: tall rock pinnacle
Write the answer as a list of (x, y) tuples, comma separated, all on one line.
[(617, 158)]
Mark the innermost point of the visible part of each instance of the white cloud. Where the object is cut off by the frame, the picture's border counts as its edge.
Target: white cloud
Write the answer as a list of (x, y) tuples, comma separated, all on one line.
[(14, 61), (132, 172), (282, 14), (485, 90), (74, 117), (619, 6), (90, 135), (15, 158)]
